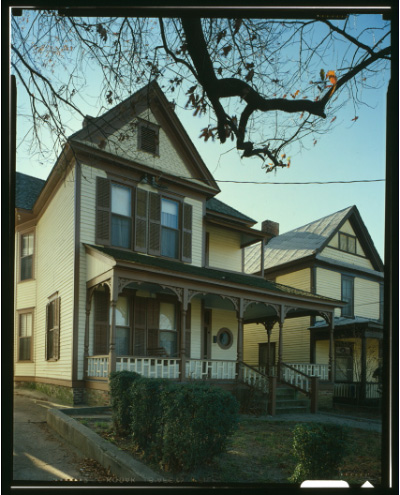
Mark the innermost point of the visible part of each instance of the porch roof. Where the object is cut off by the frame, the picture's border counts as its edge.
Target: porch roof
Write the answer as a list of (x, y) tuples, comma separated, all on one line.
[(343, 323), (250, 281)]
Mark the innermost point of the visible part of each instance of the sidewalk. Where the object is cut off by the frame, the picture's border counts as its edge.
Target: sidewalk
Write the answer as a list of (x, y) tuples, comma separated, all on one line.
[(39, 454)]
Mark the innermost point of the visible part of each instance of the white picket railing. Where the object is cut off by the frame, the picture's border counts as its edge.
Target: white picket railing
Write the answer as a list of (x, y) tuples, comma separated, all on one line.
[(295, 377), (254, 378), (97, 366), (312, 369), (150, 367), (198, 369)]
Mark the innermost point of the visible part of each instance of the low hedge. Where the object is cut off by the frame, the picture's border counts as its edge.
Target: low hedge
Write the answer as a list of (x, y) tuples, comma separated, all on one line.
[(179, 426), (197, 421), (319, 450), (120, 389)]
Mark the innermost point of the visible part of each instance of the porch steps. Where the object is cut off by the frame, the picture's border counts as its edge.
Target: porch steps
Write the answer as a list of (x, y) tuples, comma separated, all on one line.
[(289, 401)]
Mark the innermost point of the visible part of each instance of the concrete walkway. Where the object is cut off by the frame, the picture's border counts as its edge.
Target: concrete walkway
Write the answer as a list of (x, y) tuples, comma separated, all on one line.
[(351, 422), (38, 453)]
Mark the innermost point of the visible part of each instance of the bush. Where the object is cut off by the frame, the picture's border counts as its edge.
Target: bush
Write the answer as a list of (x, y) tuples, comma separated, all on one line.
[(319, 450), (120, 385), (146, 412), (197, 420)]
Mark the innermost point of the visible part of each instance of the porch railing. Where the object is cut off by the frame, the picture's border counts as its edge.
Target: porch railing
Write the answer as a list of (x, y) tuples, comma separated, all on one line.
[(199, 369), (150, 367), (157, 367), (353, 390), (312, 369), (97, 366), (297, 378), (254, 377)]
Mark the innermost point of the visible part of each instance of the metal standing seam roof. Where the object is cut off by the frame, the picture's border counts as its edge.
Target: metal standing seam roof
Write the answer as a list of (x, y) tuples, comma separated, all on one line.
[(234, 277), (27, 190), (218, 206), (296, 244)]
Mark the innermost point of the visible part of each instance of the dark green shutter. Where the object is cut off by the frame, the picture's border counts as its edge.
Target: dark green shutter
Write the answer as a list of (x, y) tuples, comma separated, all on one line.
[(103, 209), (101, 323), (188, 331), (187, 232), (141, 213), (139, 334), (154, 224)]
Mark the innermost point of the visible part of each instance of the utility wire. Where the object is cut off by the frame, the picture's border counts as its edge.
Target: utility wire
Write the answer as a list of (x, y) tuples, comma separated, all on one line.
[(289, 183)]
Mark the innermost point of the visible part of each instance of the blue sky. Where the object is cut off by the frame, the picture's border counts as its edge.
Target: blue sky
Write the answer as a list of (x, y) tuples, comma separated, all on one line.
[(354, 150)]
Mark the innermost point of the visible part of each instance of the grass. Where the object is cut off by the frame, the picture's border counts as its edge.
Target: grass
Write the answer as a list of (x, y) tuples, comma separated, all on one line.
[(261, 452)]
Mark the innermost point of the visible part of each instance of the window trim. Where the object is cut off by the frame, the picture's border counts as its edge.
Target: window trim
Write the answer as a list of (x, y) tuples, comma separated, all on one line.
[(54, 299), (220, 332), (20, 313), (347, 278), (22, 234), (344, 235)]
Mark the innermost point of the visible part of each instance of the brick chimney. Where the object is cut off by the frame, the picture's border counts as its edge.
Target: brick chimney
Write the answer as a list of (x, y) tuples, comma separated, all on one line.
[(270, 227), (86, 120)]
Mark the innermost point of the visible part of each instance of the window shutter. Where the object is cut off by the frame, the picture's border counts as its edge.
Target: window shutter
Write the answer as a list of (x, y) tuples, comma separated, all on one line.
[(103, 207), (101, 325), (148, 139), (187, 232), (56, 331), (153, 323), (141, 213), (188, 332), (154, 224)]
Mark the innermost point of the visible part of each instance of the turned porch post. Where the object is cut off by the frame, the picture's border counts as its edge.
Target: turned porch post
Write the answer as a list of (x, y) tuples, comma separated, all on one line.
[(280, 347), (112, 356), (182, 350), (86, 342), (363, 391), (239, 316), (268, 325), (331, 349)]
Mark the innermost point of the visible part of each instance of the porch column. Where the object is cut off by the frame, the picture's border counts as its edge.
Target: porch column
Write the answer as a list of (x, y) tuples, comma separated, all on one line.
[(239, 316), (268, 324), (86, 344), (331, 349), (182, 351), (363, 391), (112, 357), (280, 347)]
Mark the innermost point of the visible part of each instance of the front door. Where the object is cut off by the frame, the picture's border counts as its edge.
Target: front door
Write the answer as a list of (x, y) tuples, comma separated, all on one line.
[(263, 355)]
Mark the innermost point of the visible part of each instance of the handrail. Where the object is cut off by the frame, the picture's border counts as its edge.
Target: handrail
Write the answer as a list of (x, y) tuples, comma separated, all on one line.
[(305, 389), (254, 369), (296, 370)]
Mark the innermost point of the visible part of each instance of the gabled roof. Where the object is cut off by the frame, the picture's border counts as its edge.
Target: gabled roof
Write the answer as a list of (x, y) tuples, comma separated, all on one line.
[(217, 206), (27, 190), (309, 240), (108, 134)]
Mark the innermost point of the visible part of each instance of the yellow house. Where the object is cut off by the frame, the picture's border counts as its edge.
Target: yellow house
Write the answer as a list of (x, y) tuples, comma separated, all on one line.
[(335, 257), (126, 260)]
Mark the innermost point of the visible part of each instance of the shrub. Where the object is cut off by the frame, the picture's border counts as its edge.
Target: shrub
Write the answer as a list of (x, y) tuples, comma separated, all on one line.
[(197, 420), (146, 412), (319, 450), (120, 389)]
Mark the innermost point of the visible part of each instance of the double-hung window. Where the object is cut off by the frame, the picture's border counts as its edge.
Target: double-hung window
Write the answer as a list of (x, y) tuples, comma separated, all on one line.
[(27, 242), (169, 228), (348, 295), (25, 336), (121, 216)]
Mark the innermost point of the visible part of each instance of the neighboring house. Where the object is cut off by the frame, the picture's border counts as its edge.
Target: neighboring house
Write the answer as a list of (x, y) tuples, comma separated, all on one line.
[(125, 260), (334, 257)]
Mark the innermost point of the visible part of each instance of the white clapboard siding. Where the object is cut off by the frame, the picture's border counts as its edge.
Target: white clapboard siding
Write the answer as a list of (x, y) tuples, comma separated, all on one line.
[(55, 269), (224, 318), (328, 283), (253, 335), (300, 279), (224, 249)]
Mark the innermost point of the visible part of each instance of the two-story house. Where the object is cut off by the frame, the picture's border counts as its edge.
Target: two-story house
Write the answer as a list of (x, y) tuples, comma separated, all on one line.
[(333, 256), (125, 260)]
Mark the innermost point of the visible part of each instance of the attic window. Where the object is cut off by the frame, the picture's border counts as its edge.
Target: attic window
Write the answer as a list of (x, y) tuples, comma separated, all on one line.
[(347, 243), (148, 138)]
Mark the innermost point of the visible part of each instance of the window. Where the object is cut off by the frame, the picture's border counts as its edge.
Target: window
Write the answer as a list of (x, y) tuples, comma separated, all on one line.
[(121, 216), (148, 138), (168, 329), (347, 243), (53, 330), (148, 222), (25, 336), (27, 241), (224, 338), (169, 228), (348, 295), (122, 327)]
